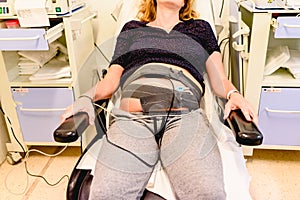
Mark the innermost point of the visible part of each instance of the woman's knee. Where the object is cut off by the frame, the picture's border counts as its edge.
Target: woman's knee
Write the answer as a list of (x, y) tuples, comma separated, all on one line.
[(114, 184)]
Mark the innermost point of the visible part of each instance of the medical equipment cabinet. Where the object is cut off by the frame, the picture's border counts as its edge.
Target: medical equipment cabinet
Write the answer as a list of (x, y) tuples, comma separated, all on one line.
[(33, 108), (275, 97)]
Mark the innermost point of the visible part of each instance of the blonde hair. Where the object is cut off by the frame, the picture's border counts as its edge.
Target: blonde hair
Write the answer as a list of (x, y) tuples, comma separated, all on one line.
[(147, 11)]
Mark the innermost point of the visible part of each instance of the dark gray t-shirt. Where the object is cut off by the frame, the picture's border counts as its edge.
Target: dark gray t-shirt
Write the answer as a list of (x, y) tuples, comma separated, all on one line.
[(187, 45)]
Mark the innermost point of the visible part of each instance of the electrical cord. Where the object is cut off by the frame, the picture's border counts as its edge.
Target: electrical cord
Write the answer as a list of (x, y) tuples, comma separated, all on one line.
[(35, 175), (159, 142), (161, 131), (226, 40), (228, 65), (13, 133), (105, 57), (225, 45), (133, 118), (221, 10), (26, 155), (12, 130), (49, 155), (223, 40)]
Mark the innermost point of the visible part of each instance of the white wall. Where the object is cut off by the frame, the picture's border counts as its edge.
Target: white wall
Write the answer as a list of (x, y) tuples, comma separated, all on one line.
[(104, 24)]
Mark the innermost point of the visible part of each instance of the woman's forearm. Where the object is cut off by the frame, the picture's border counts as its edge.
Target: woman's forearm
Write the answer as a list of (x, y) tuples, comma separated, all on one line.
[(109, 84), (220, 84)]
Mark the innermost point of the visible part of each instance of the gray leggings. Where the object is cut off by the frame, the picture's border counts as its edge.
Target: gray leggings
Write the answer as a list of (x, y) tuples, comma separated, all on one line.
[(189, 155)]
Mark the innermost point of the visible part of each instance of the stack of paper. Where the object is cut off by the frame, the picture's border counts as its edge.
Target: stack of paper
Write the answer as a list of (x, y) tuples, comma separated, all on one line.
[(31, 61), (39, 57), (53, 70), (31, 13), (27, 67)]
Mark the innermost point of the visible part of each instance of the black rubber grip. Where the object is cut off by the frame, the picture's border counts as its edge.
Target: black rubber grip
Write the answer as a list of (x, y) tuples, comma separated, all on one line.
[(72, 128), (246, 132)]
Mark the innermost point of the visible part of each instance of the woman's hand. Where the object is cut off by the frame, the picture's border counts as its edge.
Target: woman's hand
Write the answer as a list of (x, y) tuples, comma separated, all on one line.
[(102, 90), (237, 101), (82, 104)]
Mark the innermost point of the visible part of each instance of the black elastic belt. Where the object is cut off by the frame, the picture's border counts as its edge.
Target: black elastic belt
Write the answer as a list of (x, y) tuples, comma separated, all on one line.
[(161, 71)]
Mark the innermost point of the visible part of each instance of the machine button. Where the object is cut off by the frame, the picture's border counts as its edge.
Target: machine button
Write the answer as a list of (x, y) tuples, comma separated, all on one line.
[(58, 9)]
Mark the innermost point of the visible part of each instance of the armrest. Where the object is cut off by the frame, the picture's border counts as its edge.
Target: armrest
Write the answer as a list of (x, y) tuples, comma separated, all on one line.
[(72, 128), (246, 132)]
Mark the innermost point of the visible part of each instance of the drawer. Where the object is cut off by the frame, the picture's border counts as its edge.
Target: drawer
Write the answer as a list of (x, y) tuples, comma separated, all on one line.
[(39, 111), (288, 27), (279, 116), (29, 39)]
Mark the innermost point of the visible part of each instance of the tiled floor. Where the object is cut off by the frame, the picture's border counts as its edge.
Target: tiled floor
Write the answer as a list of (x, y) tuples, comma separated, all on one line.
[(16, 185), (275, 175)]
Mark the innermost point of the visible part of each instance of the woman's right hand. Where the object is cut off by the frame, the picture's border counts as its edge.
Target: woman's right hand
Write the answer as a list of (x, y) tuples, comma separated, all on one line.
[(237, 101), (82, 104)]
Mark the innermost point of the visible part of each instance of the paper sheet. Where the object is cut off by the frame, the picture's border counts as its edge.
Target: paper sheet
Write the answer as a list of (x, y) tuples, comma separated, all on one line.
[(32, 13)]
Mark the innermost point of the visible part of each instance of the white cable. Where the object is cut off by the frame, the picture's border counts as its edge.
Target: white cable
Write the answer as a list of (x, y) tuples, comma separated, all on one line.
[(26, 157), (133, 118), (13, 190), (43, 153)]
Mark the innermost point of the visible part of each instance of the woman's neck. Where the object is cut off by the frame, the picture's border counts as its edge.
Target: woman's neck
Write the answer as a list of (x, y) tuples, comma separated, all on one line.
[(166, 19)]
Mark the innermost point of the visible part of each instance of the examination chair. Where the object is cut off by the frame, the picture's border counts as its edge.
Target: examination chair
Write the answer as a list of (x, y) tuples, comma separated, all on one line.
[(245, 132)]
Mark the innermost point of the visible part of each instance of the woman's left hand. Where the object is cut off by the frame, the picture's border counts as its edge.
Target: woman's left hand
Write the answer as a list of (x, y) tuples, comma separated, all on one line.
[(237, 101)]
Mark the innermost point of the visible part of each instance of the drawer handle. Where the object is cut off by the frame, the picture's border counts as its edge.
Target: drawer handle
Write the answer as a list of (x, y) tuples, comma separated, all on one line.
[(20, 38), (291, 26), (283, 111), (42, 109)]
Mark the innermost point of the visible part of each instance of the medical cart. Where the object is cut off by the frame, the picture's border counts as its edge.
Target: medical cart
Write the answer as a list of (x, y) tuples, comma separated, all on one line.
[(275, 97), (33, 108)]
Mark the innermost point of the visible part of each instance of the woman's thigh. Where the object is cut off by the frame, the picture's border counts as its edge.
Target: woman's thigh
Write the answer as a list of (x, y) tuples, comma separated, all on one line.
[(125, 161), (191, 158)]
